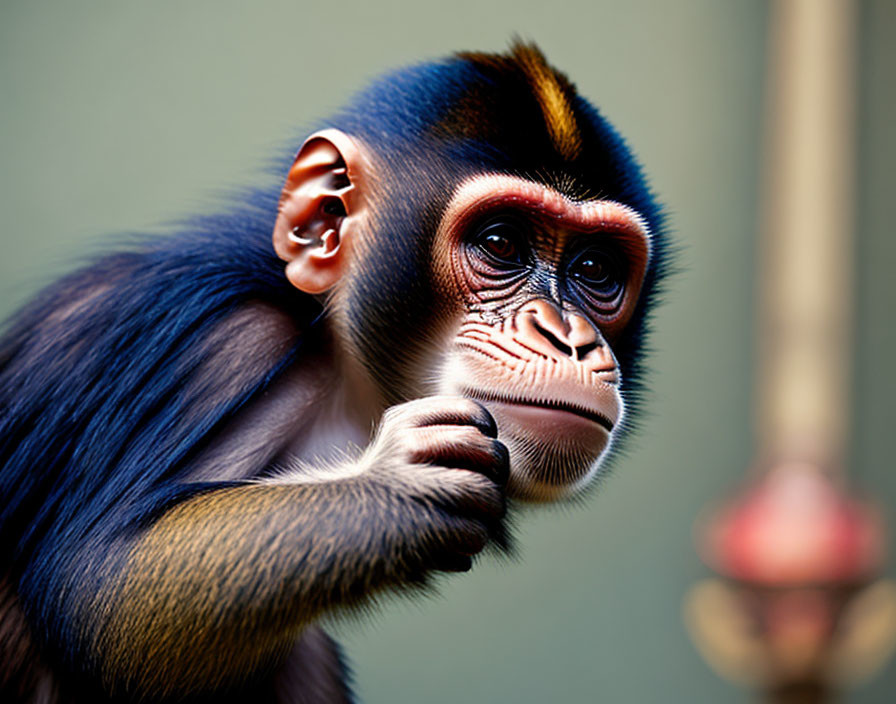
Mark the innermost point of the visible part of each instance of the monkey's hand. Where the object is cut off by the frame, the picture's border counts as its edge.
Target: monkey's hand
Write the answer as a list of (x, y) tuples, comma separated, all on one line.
[(441, 459)]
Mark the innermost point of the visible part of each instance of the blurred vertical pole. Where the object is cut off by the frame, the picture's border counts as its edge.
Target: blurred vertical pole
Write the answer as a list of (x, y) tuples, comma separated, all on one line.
[(797, 612), (806, 257)]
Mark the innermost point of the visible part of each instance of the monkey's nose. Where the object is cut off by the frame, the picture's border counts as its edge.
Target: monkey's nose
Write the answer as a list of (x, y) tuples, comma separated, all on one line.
[(557, 335)]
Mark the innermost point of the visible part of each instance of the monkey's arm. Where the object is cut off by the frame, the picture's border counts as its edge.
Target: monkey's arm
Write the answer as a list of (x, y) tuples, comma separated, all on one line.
[(111, 385), (224, 582)]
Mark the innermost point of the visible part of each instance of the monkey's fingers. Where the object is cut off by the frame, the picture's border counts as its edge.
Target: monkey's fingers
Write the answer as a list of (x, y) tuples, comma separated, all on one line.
[(458, 541), (444, 410), (453, 562), (461, 447)]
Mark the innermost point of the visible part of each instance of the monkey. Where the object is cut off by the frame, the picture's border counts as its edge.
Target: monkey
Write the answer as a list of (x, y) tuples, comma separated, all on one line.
[(209, 443)]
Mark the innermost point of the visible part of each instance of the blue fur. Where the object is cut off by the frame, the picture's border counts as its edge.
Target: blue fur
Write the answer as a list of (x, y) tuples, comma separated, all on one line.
[(85, 434)]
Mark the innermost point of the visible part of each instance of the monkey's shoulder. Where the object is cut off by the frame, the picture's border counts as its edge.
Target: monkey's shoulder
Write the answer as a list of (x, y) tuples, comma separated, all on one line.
[(165, 294), (131, 367)]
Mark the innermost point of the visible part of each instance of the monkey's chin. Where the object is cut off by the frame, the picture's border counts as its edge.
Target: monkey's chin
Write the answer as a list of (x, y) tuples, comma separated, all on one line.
[(553, 452)]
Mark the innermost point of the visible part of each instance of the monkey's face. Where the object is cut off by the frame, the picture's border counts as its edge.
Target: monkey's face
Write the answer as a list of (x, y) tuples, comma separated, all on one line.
[(511, 293), (543, 287)]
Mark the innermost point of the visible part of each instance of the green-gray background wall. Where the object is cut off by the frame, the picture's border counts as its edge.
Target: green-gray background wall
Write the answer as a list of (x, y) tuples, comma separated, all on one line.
[(118, 116)]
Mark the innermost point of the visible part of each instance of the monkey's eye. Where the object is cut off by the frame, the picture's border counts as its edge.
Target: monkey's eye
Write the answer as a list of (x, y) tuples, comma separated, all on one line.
[(502, 242), (600, 271)]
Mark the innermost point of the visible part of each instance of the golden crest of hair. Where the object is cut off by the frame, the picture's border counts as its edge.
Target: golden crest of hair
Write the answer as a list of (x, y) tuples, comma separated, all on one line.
[(550, 88)]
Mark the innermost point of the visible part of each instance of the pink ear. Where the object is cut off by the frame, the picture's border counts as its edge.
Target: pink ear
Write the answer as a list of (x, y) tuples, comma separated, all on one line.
[(320, 207)]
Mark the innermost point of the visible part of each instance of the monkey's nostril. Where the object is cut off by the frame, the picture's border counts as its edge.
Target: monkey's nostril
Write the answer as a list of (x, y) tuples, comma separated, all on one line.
[(583, 351), (553, 339)]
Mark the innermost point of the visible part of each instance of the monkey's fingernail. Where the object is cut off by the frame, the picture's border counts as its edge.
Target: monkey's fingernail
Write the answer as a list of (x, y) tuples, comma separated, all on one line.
[(486, 422), (503, 466), (454, 562)]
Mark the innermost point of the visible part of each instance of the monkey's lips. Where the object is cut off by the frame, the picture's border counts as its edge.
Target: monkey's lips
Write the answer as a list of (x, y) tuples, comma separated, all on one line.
[(543, 410)]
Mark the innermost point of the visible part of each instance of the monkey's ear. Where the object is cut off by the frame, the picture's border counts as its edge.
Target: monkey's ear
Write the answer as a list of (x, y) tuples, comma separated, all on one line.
[(320, 209)]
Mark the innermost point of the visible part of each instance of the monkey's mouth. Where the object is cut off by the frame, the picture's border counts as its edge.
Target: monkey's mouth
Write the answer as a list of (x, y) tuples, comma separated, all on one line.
[(548, 404)]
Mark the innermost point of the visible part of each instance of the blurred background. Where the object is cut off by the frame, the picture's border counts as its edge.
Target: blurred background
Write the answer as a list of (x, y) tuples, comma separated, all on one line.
[(119, 117)]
